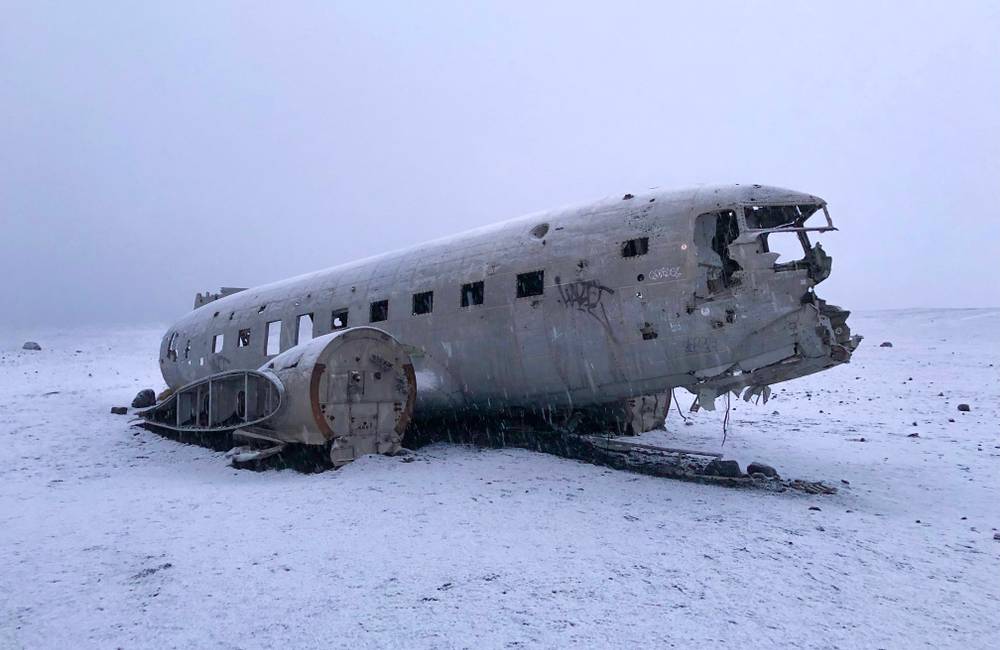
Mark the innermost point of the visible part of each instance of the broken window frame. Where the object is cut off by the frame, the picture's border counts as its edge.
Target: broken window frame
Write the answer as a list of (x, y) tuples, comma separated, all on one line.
[(243, 338), (218, 343), (378, 311), (809, 261), (530, 284), (473, 293), (747, 233), (423, 303), (342, 315)]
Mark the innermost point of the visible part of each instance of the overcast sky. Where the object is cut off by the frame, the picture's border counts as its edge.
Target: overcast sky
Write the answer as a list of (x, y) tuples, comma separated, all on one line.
[(149, 152)]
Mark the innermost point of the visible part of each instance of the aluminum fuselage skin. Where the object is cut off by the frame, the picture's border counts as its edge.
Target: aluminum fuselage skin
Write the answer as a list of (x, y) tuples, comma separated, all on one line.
[(607, 327)]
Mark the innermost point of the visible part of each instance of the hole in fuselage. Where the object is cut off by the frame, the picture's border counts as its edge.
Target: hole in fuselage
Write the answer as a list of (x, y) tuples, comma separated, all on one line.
[(714, 232)]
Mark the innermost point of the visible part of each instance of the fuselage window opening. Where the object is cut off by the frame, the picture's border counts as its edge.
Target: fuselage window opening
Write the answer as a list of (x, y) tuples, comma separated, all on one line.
[(304, 328), (530, 284), (635, 247), (473, 293), (272, 338), (423, 303), (217, 342), (187, 349), (338, 320), (243, 338), (378, 311)]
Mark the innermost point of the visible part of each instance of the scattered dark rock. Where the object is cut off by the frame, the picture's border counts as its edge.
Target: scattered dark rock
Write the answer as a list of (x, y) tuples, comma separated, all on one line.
[(913, 435), (964, 407), (145, 573), (817, 508), (31, 345), (119, 410), (726, 468), (761, 468), (845, 481), (996, 536), (145, 398), (940, 394), (951, 419), (627, 197), (886, 344)]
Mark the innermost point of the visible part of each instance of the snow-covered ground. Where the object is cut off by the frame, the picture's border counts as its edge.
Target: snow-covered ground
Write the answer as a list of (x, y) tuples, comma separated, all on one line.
[(115, 537)]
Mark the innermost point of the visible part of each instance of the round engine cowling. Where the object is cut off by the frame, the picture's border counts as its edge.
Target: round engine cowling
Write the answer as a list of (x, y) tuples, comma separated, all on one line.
[(353, 389)]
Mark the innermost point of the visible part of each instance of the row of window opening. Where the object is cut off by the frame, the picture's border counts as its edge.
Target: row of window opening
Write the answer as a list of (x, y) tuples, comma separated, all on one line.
[(473, 293), (527, 284)]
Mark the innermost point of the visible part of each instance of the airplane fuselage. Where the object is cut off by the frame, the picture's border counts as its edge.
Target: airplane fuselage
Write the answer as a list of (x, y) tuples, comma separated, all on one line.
[(568, 308)]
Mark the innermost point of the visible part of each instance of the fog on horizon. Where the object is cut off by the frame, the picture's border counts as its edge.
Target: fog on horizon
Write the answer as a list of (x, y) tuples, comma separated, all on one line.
[(151, 152)]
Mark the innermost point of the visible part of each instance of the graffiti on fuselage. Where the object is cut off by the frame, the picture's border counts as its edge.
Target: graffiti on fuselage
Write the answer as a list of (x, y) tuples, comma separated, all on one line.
[(585, 296)]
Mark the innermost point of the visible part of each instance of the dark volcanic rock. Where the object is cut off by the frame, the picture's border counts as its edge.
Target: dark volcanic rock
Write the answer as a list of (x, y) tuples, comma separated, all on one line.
[(964, 407), (119, 410), (761, 468), (726, 468), (31, 345), (886, 344), (145, 397)]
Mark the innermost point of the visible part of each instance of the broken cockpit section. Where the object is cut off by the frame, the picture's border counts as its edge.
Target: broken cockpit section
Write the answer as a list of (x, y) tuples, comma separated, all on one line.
[(757, 257), (735, 243)]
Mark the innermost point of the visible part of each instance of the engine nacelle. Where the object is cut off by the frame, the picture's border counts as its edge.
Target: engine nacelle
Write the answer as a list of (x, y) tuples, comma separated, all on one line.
[(354, 389)]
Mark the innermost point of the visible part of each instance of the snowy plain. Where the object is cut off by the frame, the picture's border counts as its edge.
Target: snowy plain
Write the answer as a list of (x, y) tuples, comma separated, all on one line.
[(115, 537)]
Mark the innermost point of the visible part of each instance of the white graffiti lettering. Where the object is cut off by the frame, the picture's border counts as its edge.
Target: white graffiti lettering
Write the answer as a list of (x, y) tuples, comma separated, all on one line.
[(666, 273)]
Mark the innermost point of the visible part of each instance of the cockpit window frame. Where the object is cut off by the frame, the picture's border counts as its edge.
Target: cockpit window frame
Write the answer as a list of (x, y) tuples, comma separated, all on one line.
[(748, 233)]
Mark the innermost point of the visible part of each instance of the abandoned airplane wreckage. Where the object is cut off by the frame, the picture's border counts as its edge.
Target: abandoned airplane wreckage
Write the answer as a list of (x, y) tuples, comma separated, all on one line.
[(567, 323)]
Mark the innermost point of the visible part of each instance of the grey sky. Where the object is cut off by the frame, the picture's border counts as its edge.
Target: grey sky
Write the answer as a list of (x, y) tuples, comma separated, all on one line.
[(149, 152)]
